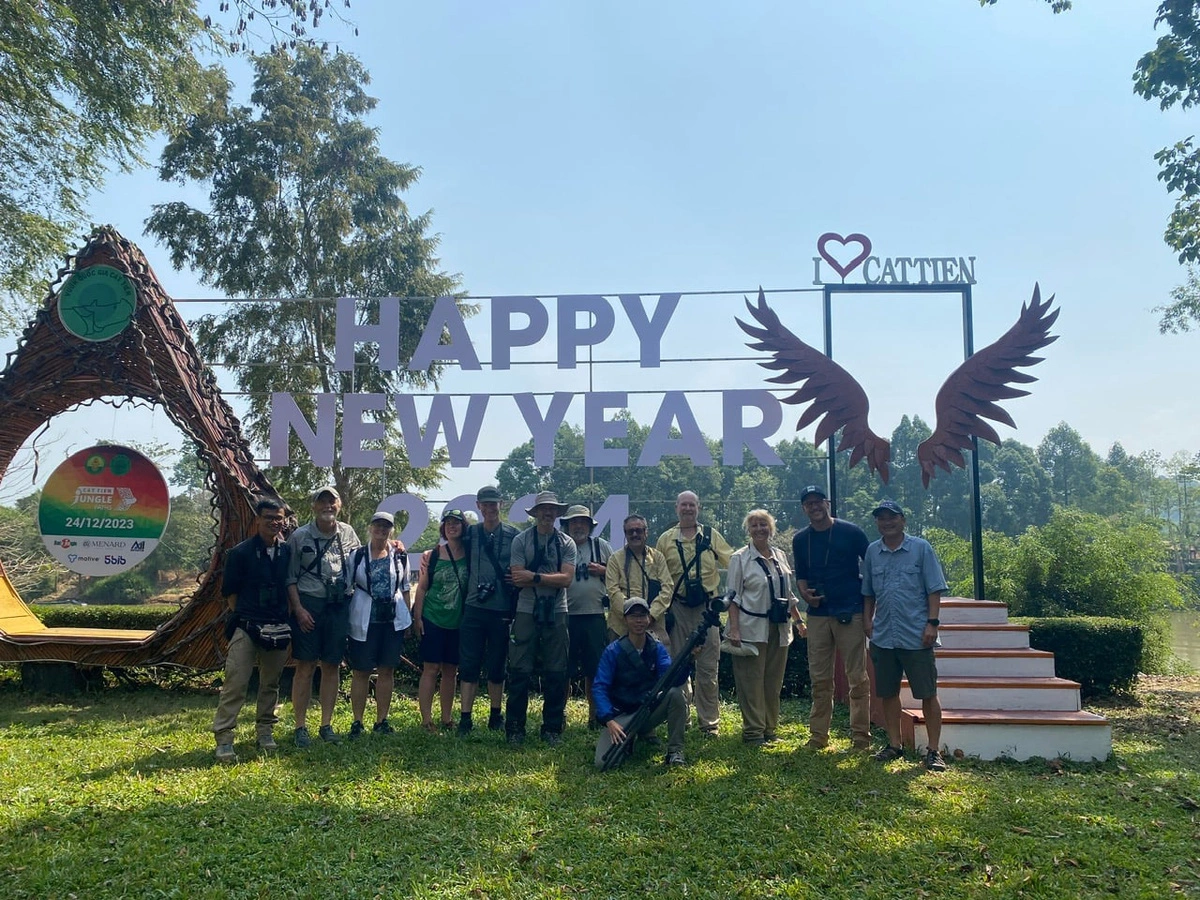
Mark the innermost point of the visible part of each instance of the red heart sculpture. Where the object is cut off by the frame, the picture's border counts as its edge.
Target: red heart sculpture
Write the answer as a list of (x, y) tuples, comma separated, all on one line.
[(856, 238)]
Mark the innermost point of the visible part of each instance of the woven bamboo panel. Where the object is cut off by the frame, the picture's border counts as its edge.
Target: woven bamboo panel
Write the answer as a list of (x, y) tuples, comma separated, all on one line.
[(154, 359)]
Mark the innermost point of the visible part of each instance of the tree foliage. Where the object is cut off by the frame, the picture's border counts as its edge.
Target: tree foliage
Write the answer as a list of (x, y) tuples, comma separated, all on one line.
[(84, 84), (302, 204)]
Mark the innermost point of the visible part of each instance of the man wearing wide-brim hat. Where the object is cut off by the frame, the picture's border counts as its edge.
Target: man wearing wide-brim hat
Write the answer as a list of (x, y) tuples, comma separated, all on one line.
[(543, 566), (586, 599)]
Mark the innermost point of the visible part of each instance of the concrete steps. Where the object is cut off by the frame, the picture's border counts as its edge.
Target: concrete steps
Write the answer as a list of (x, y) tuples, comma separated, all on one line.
[(999, 697)]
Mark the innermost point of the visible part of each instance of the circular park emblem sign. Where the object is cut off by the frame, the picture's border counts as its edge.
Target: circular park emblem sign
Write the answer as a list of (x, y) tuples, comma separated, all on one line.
[(97, 303), (103, 510)]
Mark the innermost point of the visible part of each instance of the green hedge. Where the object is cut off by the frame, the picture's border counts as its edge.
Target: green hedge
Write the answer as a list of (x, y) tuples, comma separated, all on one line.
[(1104, 655), (133, 586), (105, 616)]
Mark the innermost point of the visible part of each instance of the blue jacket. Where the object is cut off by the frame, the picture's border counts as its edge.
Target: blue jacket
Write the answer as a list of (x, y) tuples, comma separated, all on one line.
[(620, 684)]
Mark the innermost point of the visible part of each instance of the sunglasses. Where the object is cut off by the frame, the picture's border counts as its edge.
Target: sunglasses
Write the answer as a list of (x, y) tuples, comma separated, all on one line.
[(633, 531)]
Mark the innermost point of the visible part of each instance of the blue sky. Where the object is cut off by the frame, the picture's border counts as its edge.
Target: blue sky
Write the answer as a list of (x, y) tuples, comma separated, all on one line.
[(629, 147)]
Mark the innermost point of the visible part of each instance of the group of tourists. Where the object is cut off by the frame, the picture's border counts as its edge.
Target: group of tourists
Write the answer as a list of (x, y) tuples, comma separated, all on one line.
[(528, 608)]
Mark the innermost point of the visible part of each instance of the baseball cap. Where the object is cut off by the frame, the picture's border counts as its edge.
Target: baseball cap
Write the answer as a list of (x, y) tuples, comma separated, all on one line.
[(887, 506), (383, 517), (328, 489), (489, 493), (633, 603), (810, 491)]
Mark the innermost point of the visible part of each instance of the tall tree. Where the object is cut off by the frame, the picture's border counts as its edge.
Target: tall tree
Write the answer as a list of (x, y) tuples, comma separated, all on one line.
[(84, 84), (302, 204)]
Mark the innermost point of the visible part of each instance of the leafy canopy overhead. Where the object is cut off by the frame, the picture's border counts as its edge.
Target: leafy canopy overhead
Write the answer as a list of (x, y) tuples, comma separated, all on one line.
[(84, 84), (302, 204)]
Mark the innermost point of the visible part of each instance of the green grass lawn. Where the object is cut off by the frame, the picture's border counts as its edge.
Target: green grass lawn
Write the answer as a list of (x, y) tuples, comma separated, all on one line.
[(115, 794)]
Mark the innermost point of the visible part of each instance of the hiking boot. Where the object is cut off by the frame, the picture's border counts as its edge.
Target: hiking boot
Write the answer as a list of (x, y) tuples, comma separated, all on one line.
[(754, 741), (356, 731), (889, 753), (816, 743), (934, 761), (861, 744), (496, 720), (266, 742), (770, 738), (301, 737), (552, 738), (674, 758), (382, 727), (465, 724), (328, 735), (225, 753)]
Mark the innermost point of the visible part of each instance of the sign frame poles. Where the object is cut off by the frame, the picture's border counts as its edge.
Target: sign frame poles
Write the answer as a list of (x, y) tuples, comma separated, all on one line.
[(968, 328)]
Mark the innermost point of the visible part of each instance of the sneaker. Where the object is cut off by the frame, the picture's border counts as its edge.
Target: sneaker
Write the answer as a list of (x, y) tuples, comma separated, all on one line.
[(382, 727), (225, 753), (496, 720), (356, 731), (754, 741), (889, 753), (770, 738), (674, 758), (552, 738), (709, 733), (934, 761), (516, 738), (328, 735), (301, 737), (267, 743), (465, 725)]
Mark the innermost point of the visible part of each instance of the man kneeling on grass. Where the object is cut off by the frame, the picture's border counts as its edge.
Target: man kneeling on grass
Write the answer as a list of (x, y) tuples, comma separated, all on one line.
[(629, 669)]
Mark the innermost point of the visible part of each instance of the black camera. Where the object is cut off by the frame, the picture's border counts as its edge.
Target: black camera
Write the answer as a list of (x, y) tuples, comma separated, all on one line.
[(485, 589), (777, 613), (335, 589)]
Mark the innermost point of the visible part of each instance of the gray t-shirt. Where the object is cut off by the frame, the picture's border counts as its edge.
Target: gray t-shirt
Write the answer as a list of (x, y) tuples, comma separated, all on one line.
[(585, 596), (556, 549), (317, 556)]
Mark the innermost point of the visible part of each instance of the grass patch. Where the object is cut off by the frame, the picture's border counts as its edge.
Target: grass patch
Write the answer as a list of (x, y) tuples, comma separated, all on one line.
[(116, 794)]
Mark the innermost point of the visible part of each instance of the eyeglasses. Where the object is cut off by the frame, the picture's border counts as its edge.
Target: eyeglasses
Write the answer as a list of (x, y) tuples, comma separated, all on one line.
[(635, 531)]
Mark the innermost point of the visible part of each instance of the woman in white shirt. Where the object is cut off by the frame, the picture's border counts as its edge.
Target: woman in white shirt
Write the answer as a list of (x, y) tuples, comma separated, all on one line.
[(762, 612)]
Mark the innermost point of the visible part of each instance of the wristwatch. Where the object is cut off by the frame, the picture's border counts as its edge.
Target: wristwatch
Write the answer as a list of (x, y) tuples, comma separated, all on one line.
[(934, 622), (537, 577)]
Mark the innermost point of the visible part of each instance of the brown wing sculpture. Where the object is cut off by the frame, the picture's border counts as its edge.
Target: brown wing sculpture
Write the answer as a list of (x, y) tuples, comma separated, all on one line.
[(830, 389), (969, 395)]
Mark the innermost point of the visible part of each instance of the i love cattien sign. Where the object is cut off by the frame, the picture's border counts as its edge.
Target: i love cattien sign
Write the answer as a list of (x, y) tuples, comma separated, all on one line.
[(846, 254)]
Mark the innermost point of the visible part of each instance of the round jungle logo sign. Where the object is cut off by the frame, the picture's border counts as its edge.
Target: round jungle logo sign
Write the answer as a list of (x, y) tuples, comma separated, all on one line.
[(104, 510), (97, 303)]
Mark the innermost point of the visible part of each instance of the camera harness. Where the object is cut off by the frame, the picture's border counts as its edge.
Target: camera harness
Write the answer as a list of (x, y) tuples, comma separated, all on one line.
[(594, 555), (434, 555), (762, 564), (703, 542), (314, 567)]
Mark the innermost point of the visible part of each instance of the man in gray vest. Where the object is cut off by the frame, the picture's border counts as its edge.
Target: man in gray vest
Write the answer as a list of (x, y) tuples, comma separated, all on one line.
[(543, 566), (491, 602), (318, 596)]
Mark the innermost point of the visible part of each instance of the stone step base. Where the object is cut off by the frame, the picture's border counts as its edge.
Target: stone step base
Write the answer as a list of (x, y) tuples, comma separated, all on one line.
[(992, 692), (1014, 734), (1007, 663), (991, 636), (962, 611)]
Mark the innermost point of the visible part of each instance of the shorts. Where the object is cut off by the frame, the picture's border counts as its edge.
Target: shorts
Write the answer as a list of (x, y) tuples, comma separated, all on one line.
[(327, 641), (918, 666), (381, 649), (587, 635), (483, 644), (439, 645)]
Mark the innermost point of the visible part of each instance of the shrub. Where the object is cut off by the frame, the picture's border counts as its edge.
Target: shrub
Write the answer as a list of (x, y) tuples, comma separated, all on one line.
[(1103, 654), (795, 676), (106, 616), (134, 586)]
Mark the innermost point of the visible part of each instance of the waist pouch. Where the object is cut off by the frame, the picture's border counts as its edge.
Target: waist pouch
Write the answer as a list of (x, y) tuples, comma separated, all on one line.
[(275, 636)]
